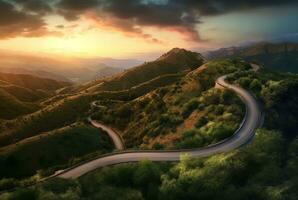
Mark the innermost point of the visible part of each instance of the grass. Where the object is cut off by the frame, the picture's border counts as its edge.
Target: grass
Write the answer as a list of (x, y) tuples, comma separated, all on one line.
[(11, 107), (60, 147), (172, 63), (57, 115), (155, 120)]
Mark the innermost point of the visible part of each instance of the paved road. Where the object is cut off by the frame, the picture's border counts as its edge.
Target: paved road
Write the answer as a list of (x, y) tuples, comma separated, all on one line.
[(117, 140), (241, 137)]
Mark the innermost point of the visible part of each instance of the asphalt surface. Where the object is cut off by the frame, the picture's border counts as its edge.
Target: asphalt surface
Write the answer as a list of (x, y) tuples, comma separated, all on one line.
[(111, 132), (241, 137)]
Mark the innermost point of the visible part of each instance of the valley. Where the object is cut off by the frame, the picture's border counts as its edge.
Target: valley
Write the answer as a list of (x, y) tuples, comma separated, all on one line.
[(148, 100), (178, 108)]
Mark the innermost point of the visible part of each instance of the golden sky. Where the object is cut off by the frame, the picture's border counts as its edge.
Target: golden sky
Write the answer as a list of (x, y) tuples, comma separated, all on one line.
[(87, 38), (113, 28)]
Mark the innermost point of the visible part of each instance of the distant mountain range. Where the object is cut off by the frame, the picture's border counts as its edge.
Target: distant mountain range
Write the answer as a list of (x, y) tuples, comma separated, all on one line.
[(63, 69), (278, 56), (39, 73)]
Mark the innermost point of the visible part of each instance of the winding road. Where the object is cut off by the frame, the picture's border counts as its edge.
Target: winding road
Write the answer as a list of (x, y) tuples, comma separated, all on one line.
[(117, 140), (241, 137)]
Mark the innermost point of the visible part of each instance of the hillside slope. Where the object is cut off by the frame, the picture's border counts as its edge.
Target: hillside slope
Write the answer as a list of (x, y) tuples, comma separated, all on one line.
[(188, 113), (278, 56), (32, 82), (265, 169), (20, 93), (176, 60), (38, 73), (11, 107)]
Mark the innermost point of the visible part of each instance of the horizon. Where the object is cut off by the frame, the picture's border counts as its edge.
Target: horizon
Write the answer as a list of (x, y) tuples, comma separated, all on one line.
[(140, 29)]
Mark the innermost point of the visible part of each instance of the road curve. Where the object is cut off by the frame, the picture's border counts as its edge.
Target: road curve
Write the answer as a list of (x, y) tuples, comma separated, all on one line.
[(118, 142), (241, 137)]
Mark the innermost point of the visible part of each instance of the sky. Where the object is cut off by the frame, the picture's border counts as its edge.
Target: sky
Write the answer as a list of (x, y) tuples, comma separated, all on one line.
[(136, 28)]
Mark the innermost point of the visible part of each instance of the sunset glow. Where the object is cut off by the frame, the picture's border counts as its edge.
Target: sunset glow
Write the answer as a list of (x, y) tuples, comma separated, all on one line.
[(95, 28)]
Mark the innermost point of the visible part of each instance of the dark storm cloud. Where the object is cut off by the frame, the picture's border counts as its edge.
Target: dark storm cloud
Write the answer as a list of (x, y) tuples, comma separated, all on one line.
[(128, 16), (15, 22), (177, 15), (71, 9), (35, 6), (217, 7), (78, 5)]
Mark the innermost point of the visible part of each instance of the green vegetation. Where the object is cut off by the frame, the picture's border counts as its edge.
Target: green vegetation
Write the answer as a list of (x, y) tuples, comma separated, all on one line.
[(175, 61), (32, 82), (278, 94), (266, 169), (19, 93), (24, 94), (186, 112), (276, 56), (60, 114), (159, 118), (49, 150), (11, 107), (62, 111), (219, 115)]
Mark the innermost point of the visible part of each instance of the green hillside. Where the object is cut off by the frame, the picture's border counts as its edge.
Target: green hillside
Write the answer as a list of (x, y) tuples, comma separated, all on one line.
[(169, 111), (62, 147), (176, 60), (266, 169), (11, 107), (32, 82), (24, 94), (56, 115), (278, 93), (189, 113), (20, 94), (278, 56)]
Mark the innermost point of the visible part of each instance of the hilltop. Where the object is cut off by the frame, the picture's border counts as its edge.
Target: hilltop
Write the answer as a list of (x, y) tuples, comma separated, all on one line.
[(173, 62), (174, 106)]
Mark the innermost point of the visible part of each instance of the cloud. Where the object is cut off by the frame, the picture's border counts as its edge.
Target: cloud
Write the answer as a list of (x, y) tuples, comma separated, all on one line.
[(127, 27), (128, 16), (78, 5), (182, 16), (35, 6), (15, 23)]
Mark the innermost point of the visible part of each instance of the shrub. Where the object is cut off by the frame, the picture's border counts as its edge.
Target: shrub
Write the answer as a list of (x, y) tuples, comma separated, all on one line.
[(189, 107), (201, 122)]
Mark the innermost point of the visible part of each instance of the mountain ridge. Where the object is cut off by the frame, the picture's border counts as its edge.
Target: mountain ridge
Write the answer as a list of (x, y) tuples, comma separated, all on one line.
[(278, 56), (174, 61)]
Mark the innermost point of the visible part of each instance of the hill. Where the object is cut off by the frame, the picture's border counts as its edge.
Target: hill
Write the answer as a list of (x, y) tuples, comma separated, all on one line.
[(66, 109), (170, 111), (63, 146), (175, 61), (32, 82), (107, 72), (63, 68), (38, 73), (277, 56), (264, 169), (188, 113), (20, 93), (11, 107)]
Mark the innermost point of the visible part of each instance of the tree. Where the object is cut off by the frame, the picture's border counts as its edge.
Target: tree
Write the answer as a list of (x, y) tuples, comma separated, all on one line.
[(147, 178)]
